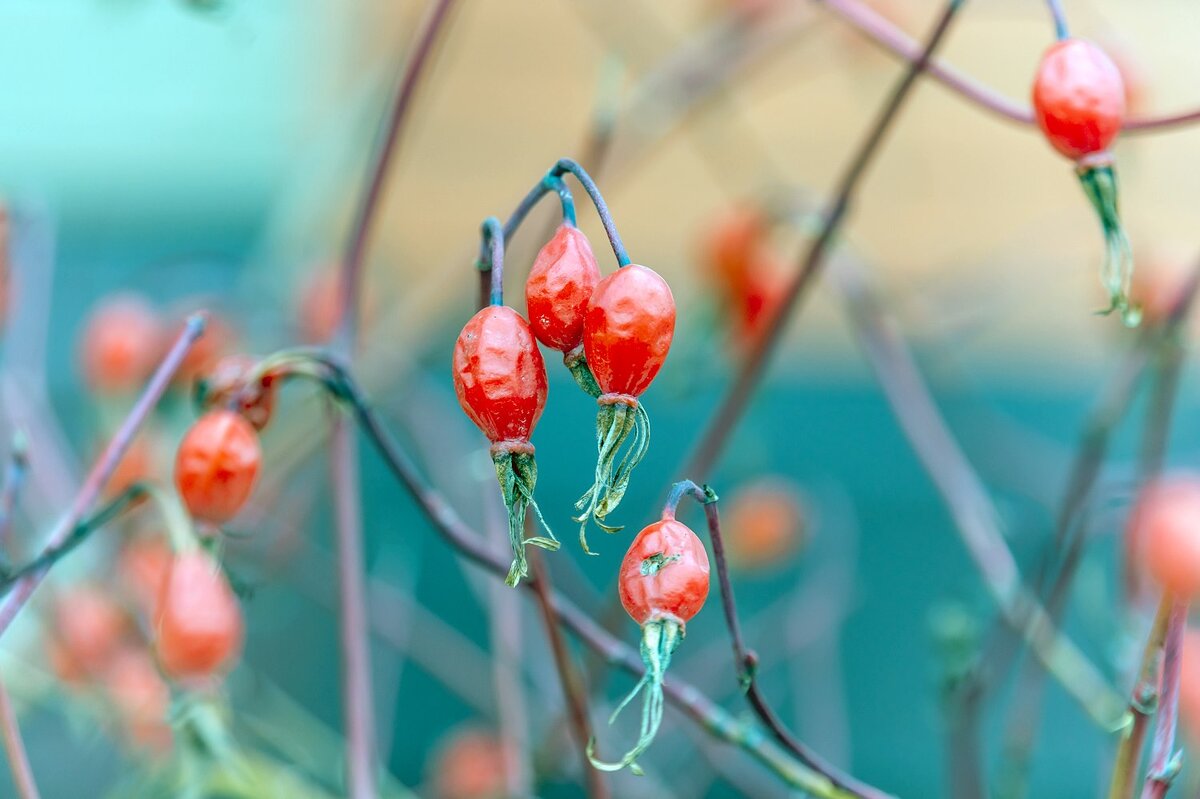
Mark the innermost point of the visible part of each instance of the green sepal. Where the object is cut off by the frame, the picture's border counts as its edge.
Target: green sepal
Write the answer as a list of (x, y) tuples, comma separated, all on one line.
[(660, 638), (517, 474), (582, 373), (616, 424), (1116, 273)]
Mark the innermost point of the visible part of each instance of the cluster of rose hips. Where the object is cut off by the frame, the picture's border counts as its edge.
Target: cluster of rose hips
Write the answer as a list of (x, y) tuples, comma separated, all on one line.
[(614, 333)]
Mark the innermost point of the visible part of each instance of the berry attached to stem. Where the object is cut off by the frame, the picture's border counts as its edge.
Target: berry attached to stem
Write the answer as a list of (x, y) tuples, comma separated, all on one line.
[(1079, 102), (628, 329), (500, 380), (663, 584)]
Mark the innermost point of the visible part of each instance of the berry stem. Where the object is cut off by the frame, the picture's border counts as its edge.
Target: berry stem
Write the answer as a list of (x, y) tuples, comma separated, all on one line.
[(566, 165), (492, 272), (103, 469), (1061, 31)]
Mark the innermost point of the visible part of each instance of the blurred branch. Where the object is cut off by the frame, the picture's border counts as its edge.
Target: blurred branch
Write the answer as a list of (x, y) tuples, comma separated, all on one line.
[(733, 404), (975, 518), (1165, 763), (876, 28), (357, 696), (14, 746), (574, 692), (105, 466)]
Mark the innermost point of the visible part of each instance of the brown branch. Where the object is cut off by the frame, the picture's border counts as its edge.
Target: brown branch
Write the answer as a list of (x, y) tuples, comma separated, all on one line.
[(14, 746)]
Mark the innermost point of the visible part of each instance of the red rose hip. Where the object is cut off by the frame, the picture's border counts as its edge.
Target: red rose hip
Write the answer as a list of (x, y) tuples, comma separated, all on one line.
[(561, 282), (199, 621), (216, 465)]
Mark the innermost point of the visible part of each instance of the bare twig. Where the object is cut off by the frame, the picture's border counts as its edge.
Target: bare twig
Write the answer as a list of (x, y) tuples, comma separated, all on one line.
[(1143, 700), (1164, 762), (733, 404), (14, 746), (574, 692), (104, 467)]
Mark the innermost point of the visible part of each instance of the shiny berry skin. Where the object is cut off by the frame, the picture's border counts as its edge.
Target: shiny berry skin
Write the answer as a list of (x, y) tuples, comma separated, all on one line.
[(664, 574), (628, 329), (121, 344), (1166, 530), (216, 465), (499, 374), (561, 282), (198, 622), (1078, 98)]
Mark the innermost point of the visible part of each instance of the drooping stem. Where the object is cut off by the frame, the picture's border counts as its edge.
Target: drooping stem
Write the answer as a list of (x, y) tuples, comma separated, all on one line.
[(1060, 19), (733, 404), (491, 284), (103, 469), (1165, 763), (1142, 703), (566, 165)]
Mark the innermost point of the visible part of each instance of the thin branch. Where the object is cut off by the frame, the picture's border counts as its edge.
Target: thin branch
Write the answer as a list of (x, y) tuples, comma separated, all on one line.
[(14, 479), (574, 692), (1164, 761), (14, 747), (974, 515), (1142, 702), (105, 466), (876, 28), (357, 694), (733, 404)]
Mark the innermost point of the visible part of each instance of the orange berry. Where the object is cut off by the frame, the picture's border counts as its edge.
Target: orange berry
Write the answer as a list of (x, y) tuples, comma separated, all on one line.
[(763, 523), (216, 465), (1167, 533), (470, 764), (88, 628), (199, 621), (120, 344)]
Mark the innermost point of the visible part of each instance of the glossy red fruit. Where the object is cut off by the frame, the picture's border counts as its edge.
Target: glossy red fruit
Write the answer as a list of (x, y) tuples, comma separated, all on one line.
[(199, 622), (216, 465), (664, 574), (471, 764), (628, 329), (1078, 98), (499, 374), (1166, 531), (121, 344), (561, 282), (88, 627)]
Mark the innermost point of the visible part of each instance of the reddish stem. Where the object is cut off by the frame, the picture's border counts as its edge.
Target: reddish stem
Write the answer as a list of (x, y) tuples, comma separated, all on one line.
[(1163, 767), (14, 746)]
